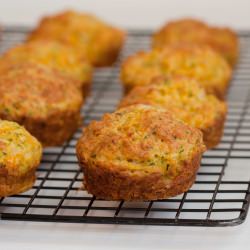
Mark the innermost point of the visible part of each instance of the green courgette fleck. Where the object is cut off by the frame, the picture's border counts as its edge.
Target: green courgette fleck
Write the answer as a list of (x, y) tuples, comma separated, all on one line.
[(181, 150), (167, 166), (7, 110)]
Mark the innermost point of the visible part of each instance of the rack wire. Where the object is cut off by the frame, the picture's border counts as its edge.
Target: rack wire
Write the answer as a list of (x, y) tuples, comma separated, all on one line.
[(219, 197)]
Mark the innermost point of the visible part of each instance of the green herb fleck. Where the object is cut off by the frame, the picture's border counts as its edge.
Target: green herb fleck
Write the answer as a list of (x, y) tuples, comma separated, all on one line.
[(167, 166)]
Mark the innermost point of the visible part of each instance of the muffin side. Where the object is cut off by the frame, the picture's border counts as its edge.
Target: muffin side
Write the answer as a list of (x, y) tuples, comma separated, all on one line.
[(53, 55), (185, 99), (192, 31), (99, 42), (20, 154), (42, 100), (132, 147), (193, 61)]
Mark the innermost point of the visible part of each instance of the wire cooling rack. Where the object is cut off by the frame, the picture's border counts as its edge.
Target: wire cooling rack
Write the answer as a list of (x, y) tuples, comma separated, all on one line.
[(219, 197)]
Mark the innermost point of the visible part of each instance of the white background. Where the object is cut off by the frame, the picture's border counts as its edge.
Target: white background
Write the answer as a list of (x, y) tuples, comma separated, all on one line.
[(131, 14)]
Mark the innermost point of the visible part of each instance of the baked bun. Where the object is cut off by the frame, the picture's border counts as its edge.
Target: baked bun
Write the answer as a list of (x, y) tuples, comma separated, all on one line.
[(226, 42), (54, 55), (99, 42), (139, 153), (45, 102), (194, 61), (223, 40), (187, 101), (20, 154)]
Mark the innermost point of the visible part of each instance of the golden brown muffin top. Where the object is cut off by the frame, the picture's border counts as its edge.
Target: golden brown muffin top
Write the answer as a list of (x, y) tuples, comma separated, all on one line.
[(185, 30), (19, 151), (51, 54), (189, 30), (35, 91), (181, 96), (194, 61), (140, 137), (84, 32), (225, 41)]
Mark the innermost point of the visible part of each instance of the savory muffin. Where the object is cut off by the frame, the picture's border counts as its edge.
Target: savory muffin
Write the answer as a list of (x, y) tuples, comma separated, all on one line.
[(139, 153), (42, 100), (194, 61), (225, 41), (20, 154), (54, 55), (187, 101), (89, 36), (187, 30)]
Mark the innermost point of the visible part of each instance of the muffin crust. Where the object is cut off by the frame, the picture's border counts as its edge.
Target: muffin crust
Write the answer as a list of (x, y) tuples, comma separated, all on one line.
[(187, 101), (20, 154), (193, 61), (187, 30), (42, 100), (99, 42), (139, 153), (53, 55)]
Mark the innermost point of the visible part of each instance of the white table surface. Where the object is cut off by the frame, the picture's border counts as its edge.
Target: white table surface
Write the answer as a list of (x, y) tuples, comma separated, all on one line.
[(130, 14), (27, 236)]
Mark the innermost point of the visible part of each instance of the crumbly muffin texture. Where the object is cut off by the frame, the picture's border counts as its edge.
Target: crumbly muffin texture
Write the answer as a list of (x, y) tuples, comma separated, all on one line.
[(20, 151), (35, 91), (42, 100), (186, 100), (99, 42), (193, 61), (51, 54), (20, 154), (139, 140), (188, 30)]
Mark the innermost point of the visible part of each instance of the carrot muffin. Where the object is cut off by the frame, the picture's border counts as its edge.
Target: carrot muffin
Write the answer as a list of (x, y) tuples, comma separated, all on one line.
[(20, 154), (194, 61), (187, 101), (99, 42), (42, 100), (223, 40), (54, 55), (139, 153)]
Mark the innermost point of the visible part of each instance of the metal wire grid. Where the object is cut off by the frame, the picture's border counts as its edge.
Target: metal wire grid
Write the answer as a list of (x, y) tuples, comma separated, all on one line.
[(219, 197)]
